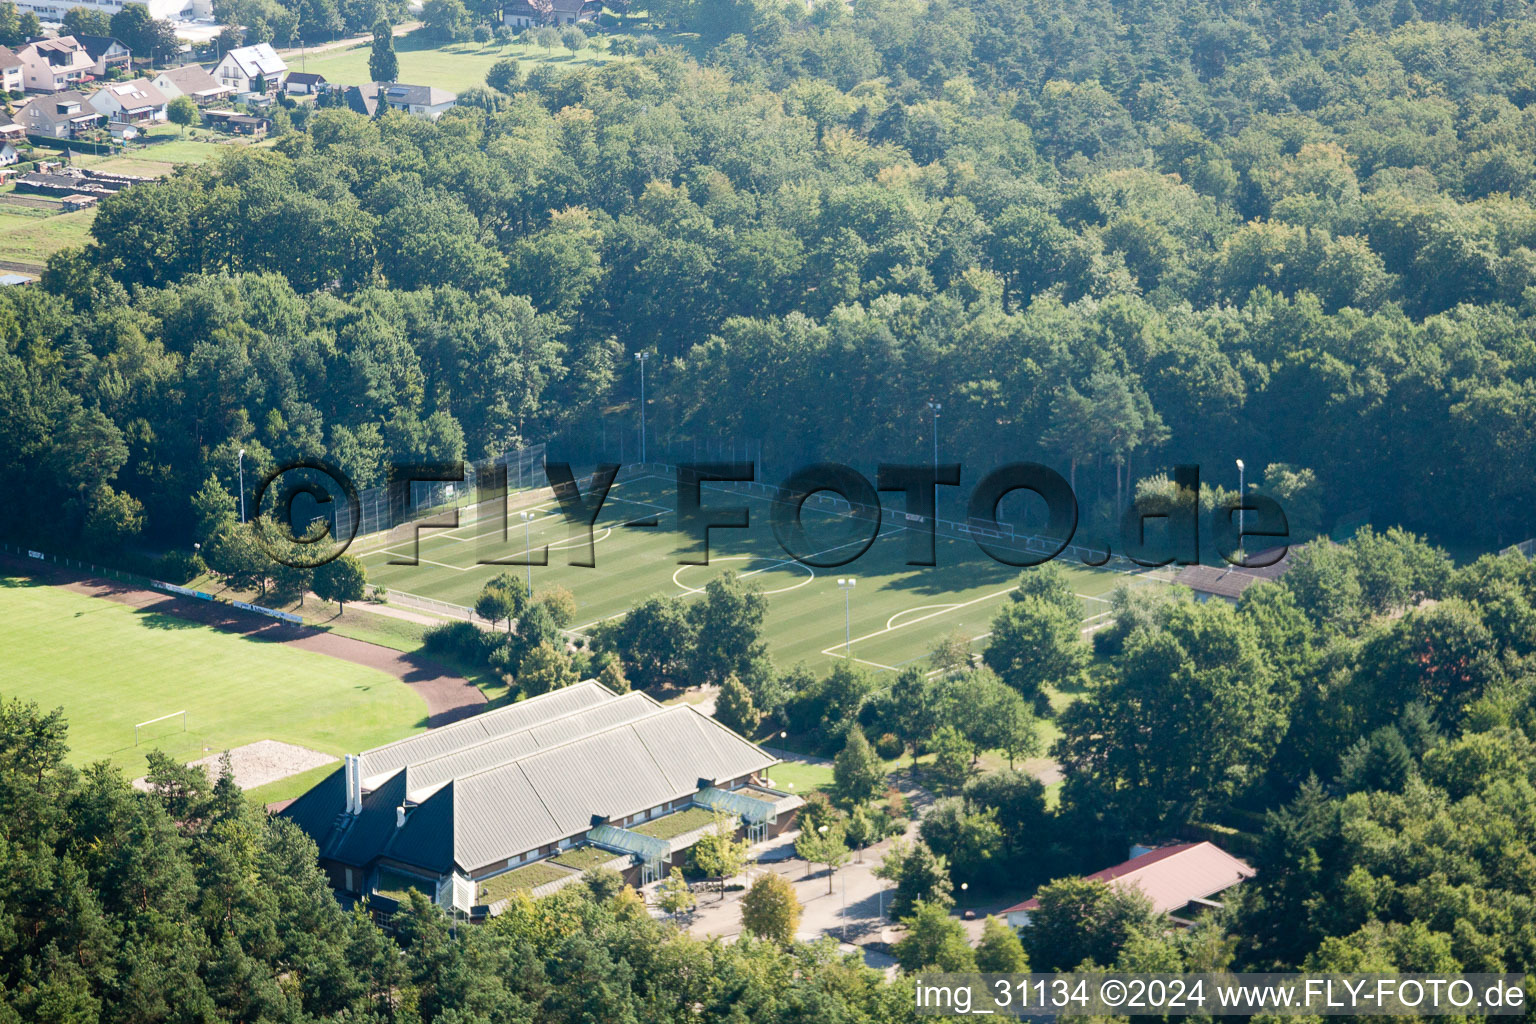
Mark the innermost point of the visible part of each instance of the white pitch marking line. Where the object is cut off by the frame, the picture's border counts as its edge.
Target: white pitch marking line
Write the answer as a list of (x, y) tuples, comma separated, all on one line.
[(422, 561), (890, 623), (746, 558), (831, 651)]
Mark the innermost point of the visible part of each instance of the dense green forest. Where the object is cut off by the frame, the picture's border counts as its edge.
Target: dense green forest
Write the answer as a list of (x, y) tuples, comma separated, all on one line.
[(1107, 237), (1110, 237), (1362, 732)]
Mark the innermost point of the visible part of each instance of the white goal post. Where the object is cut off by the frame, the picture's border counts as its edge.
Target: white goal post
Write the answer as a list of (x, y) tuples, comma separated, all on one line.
[(162, 718)]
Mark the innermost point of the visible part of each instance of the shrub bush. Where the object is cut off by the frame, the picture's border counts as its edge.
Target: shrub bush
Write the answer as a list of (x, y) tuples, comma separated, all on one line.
[(180, 567), (888, 746), (456, 639)]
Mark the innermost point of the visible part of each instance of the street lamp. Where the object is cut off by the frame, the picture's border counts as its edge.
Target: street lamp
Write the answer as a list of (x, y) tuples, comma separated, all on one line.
[(1242, 515), (240, 461), (846, 585), (641, 357), (528, 518), (935, 407)]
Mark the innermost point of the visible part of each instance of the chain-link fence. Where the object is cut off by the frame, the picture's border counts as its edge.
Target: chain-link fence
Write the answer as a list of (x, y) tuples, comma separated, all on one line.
[(380, 509)]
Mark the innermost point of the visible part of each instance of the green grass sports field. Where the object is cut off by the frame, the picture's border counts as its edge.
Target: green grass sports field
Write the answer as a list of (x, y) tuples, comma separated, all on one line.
[(895, 613), (110, 666)]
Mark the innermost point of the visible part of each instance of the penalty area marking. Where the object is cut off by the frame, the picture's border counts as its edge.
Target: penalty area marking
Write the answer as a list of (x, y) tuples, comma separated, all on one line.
[(754, 572), (890, 623)]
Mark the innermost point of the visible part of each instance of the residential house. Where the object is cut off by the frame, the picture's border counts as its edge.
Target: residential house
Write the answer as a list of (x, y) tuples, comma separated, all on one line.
[(191, 80), (12, 71), (1228, 582), (109, 54), (304, 83), (451, 809), (135, 103), (64, 115), (522, 14), (54, 65), (12, 135), (1179, 880), (236, 123), (421, 100), (242, 67)]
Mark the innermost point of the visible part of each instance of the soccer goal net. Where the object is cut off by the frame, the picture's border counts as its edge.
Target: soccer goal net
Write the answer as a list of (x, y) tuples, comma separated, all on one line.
[(157, 728)]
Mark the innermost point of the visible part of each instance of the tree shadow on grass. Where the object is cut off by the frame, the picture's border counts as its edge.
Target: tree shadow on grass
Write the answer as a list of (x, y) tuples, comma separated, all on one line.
[(160, 620)]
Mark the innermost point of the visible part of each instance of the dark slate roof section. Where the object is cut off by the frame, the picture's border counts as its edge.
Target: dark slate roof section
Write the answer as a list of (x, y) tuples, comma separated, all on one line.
[(305, 78), (427, 840), (96, 46), (373, 829), (316, 811)]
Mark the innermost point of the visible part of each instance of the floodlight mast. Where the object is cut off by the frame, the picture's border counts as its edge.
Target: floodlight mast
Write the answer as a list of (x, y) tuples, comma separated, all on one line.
[(846, 584), (935, 407), (1242, 513), (641, 357)]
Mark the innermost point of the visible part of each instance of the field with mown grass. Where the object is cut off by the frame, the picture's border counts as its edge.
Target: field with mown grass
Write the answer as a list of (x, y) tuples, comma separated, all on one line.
[(455, 66), (110, 665)]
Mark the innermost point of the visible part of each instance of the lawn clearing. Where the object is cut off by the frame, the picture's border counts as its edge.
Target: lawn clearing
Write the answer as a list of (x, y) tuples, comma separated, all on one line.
[(895, 615), (31, 236), (111, 666), (290, 788), (395, 885), (384, 630), (585, 858), (423, 61), (529, 876), (800, 777), (670, 826)]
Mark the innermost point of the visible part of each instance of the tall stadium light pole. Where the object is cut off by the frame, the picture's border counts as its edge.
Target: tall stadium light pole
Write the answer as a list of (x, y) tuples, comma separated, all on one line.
[(935, 406), (528, 518), (641, 357), (1242, 514), (846, 585), (240, 461)]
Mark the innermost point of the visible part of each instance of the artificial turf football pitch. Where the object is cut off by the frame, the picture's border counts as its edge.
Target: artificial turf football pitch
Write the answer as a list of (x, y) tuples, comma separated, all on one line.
[(896, 612)]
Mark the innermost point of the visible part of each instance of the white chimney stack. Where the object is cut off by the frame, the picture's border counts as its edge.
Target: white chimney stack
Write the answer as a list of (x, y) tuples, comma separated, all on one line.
[(354, 784), (399, 817)]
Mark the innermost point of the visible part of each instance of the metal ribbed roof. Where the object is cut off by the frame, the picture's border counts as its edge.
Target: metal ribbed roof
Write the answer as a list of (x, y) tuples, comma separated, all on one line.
[(622, 770), (527, 775), (424, 778), (380, 763), (496, 815)]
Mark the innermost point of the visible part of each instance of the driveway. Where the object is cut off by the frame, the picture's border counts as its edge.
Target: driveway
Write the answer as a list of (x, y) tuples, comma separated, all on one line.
[(853, 912)]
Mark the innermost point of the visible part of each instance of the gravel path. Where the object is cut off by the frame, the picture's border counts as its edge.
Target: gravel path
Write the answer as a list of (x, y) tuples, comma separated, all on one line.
[(449, 697)]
